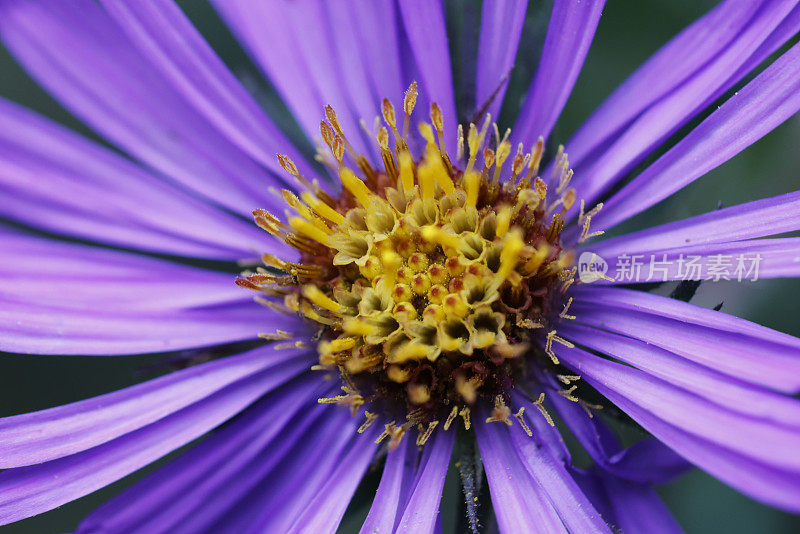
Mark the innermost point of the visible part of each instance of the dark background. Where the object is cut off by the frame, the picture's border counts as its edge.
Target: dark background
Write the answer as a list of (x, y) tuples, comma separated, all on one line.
[(630, 30)]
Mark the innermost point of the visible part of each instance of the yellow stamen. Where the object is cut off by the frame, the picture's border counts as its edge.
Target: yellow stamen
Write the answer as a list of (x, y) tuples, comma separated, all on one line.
[(437, 235), (503, 221), (510, 255), (322, 209), (406, 171), (315, 295), (358, 188), (305, 228)]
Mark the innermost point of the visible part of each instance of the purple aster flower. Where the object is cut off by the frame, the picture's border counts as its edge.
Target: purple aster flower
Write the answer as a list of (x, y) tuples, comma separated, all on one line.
[(424, 284)]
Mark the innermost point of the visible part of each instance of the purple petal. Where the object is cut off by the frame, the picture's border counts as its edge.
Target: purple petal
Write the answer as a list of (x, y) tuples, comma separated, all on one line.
[(777, 487), (289, 489), (649, 303), (27, 491), (69, 185), (544, 433), (378, 42), (638, 508), (764, 103), (293, 43), (662, 73), (519, 503), (425, 28), (647, 461), (84, 59), (720, 389), (325, 512), (396, 484), (659, 121), (422, 509), (569, 36), (244, 473), (562, 491), (722, 342), (95, 278), (45, 435), (189, 482), (171, 43), (501, 28), (762, 442), (44, 329), (768, 216)]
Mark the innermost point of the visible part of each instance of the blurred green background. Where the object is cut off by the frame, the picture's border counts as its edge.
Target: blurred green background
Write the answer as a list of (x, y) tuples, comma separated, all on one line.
[(630, 30)]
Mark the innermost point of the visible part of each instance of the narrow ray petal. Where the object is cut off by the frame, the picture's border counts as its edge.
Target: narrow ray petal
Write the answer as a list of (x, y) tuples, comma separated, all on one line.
[(718, 388), (90, 277), (562, 491), (569, 36), (422, 508), (295, 46), (656, 123), (759, 480), (768, 216), (749, 260), (758, 108), (425, 27), (27, 491), (85, 60), (501, 29), (769, 360), (66, 184), (189, 482), (393, 491), (519, 504), (43, 329), (662, 74), (170, 42), (45, 435), (326, 510), (768, 444)]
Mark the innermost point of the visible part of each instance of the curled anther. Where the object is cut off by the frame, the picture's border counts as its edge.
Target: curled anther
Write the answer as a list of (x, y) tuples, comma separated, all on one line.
[(567, 393), (588, 407), (521, 420), (451, 418), (394, 433), (425, 436), (551, 336), (564, 311), (371, 418), (568, 379), (465, 415), (539, 403)]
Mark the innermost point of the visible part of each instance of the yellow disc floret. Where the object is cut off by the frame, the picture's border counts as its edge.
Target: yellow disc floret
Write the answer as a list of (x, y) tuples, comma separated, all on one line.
[(425, 281)]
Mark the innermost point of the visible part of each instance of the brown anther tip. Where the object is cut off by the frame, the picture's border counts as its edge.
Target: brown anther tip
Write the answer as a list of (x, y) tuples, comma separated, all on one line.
[(388, 114), (247, 284), (327, 133), (338, 149), (410, 99), (383, 138), (287, 164), (437, 117), (330, 113)]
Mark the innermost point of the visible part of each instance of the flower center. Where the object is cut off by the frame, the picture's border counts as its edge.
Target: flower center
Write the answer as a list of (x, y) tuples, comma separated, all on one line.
[(431, 286)]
